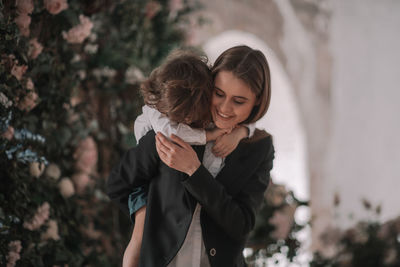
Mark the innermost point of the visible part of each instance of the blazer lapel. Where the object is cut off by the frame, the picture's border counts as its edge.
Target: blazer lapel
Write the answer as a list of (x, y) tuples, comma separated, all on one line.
[(235, 166)]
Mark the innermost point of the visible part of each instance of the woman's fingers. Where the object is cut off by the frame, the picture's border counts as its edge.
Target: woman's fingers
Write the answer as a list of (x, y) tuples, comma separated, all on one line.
[(161, 146), (167, 143), (220, 151), (179, 141), (218, 147), (164, 156)]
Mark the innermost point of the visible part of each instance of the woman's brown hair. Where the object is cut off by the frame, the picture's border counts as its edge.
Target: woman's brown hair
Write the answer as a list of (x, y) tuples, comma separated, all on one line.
[(251, 67), (181, 88)]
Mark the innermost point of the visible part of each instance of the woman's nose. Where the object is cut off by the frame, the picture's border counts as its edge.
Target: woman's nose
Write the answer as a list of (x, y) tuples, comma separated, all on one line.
[(225, 107)]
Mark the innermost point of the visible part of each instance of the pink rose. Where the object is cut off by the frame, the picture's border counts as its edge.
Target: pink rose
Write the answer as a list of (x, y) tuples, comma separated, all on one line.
[(77, 96), (283, 221), (152, 8), (29, 101), (87, 144), (23, 21), (18, 70), (40, 217), (81, 181), (75, 100), (24, 6), (14, 250), (51, 232), (29, 84), (35, 48), (80, 32), (276, 194), (9, 133), (331, 236), (175, 6), (86, 156), (282, 225), (87, 161), (91, 232), (55, 6), (73, 117)]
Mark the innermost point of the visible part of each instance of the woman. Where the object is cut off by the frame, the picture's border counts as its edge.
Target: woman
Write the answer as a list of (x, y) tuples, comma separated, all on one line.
[(191, 218)]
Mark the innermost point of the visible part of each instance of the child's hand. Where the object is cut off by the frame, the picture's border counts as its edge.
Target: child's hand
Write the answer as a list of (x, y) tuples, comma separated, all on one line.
[(225, 144), (212, 135)]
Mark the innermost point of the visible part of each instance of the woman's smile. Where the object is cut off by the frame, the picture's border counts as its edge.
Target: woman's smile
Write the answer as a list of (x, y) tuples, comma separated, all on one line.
[(224, 116)]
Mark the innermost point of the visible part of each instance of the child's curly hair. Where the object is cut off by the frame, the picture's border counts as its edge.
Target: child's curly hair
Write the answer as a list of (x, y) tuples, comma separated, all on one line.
[(181, 88)]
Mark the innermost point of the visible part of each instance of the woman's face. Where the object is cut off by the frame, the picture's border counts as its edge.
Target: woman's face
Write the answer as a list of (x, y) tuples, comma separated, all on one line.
[(232, 100)]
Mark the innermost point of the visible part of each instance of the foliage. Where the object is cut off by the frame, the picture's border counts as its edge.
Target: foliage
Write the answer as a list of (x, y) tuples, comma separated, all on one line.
[(368, 243), (69, 94), (275, 228)]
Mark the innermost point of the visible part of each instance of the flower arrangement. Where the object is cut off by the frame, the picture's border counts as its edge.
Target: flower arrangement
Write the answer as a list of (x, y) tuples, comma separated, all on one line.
[(70, 72)]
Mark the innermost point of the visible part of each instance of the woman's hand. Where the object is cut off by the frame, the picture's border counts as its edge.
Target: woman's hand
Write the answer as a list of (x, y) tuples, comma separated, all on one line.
[(179, 155)]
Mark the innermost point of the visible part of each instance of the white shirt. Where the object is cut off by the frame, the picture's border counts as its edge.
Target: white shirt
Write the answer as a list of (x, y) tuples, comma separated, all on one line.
[(192, 253), (152, 119)]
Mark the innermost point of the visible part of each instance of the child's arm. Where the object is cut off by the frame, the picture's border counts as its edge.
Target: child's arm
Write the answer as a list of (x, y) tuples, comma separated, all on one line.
[(132, 251), (225, 144), (212, 135), (161, 123), (137, 209)]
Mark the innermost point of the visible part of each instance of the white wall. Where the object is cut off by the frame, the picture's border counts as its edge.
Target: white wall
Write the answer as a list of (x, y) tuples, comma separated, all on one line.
[(364, 151)]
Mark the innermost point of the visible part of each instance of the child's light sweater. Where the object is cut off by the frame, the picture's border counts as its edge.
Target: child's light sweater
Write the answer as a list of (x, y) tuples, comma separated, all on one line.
[(152, 119)]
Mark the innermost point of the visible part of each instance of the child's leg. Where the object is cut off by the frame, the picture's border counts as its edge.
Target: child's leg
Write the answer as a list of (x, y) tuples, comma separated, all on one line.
[(132, 251)]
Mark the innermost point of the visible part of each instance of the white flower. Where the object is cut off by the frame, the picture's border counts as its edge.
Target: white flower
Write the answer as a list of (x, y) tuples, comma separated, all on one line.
[(51, 232), (66, 187), (133, 75), (76, 58), (36, 169), (53, 171), (104, 72), (91, 48), (4, 100)]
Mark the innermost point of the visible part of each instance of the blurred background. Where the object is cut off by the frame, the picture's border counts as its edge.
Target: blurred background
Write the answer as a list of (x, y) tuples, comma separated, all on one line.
[(70, 73)]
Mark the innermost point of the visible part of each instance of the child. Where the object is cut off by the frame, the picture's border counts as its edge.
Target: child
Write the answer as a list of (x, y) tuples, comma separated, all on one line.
[(177, 97)]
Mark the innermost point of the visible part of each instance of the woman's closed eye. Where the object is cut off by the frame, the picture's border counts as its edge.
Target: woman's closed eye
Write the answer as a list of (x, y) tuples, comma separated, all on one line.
[(218, 94), (237, 102)]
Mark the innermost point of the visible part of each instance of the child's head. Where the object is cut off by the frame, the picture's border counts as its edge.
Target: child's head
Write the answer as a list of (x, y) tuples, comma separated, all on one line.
[(181, 88)]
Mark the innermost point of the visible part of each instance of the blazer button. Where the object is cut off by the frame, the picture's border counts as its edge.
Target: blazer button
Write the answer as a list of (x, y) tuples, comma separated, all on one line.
[(213, 252)]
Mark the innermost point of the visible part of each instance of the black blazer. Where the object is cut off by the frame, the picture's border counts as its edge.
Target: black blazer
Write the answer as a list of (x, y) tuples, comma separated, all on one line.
[(229, 202)]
